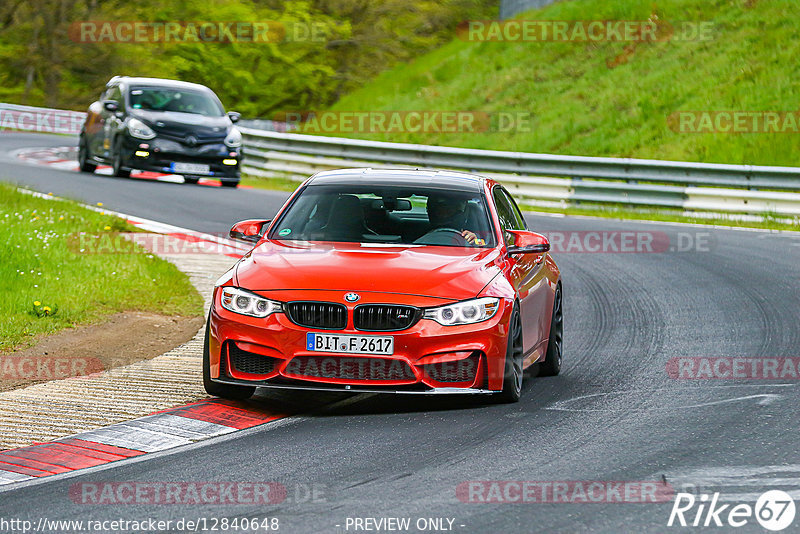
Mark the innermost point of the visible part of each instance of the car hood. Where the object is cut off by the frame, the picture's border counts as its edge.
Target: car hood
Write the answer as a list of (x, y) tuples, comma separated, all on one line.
[(180, 123), (455, 273)]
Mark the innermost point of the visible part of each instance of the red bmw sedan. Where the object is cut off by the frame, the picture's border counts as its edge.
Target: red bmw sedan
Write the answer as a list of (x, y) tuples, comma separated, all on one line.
[(393, 281)]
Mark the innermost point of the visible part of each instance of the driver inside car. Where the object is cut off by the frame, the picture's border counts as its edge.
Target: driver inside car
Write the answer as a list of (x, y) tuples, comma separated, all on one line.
[(445, 211)]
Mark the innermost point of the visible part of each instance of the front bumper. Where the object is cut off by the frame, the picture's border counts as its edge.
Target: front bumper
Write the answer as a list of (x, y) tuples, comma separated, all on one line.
[(158, 155), (431, 358), (362, 389)]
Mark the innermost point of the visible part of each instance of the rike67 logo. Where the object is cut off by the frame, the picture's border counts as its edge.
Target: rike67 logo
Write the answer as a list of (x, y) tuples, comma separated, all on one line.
[(774, 510)]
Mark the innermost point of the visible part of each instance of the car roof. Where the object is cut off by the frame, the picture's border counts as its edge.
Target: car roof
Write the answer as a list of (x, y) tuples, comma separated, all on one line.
[(432, 178), (158, 82)]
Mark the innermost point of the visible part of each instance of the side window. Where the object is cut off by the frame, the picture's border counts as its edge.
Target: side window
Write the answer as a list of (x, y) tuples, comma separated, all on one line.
[(517, 213), (508, 213)]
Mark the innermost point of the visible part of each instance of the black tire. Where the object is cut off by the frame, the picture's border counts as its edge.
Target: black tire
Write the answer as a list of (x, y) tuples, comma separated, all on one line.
[(225, 391), (513, 374), (116, 159), (84, 164), (229, 184), (190, 180), (551, 365)]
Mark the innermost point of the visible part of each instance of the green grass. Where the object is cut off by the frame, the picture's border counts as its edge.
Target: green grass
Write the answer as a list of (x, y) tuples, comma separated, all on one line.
[(581, 106), (41, 264), (277, 183)]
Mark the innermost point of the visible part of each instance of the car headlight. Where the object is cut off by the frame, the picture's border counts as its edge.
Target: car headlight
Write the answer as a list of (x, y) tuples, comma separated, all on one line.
[(467, 312), (246, 303), (234, 138), (140, 130)]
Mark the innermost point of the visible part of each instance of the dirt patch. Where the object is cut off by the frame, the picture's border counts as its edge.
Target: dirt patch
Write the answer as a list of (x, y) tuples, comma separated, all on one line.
[(121, 340)]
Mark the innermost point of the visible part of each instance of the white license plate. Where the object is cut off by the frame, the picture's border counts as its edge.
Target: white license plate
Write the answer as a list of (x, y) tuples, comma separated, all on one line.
[(319, 342), (190, 168)]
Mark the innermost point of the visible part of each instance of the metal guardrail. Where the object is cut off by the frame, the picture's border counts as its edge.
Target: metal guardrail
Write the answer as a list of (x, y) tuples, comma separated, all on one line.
[(545, 179), (536, 179)]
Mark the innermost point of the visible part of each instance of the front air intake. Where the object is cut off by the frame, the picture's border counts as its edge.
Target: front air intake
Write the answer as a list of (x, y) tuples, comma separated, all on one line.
[(385, 317), (327, 315)]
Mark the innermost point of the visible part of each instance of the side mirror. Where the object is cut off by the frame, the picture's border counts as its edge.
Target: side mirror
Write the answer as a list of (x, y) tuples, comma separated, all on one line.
[(234, 116), (111, 105), (249, 230), (528, 242)]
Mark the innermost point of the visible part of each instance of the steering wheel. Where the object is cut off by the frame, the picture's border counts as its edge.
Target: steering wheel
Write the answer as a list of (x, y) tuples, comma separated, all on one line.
[(442, 236)]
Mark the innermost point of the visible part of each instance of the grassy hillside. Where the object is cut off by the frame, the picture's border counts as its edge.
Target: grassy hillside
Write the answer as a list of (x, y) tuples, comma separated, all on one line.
[(611, 98)]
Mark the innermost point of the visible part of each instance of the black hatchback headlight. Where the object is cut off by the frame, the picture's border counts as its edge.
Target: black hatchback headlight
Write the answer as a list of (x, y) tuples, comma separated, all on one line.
[(140, 130), (234, 138)]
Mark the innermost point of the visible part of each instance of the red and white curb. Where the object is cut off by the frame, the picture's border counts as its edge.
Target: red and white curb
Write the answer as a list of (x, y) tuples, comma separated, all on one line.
[(191, 241), (157, 432), (197, 242), (65, 158)]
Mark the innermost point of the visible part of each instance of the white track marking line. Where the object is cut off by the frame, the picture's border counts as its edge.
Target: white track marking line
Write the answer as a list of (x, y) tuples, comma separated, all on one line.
[(766, 398), (65, 165), (735, 482)]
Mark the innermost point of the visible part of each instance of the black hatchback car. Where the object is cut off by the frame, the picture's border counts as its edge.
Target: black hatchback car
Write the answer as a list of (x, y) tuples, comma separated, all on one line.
[(164, 126)]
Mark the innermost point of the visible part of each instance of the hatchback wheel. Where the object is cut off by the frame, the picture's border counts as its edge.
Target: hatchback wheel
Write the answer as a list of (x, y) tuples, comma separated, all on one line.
[(84, 163), (117, 168)]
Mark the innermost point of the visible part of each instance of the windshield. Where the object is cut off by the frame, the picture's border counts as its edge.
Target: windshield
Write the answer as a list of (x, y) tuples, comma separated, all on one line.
[(398, 215), (178, 100)]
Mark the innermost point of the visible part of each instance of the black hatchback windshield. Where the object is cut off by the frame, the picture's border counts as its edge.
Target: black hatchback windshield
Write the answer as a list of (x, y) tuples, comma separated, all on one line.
[(179, 100), (399, 215)]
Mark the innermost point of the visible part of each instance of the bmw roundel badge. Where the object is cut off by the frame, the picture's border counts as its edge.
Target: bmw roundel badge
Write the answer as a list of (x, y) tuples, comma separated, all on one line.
[(352, 297)]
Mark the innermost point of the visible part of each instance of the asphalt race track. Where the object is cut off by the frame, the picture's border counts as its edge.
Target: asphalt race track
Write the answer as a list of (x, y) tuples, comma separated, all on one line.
[(614, 414)]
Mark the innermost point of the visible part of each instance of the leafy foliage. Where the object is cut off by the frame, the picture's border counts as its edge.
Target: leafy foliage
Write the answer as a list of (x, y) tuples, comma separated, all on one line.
[(43, 60)]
